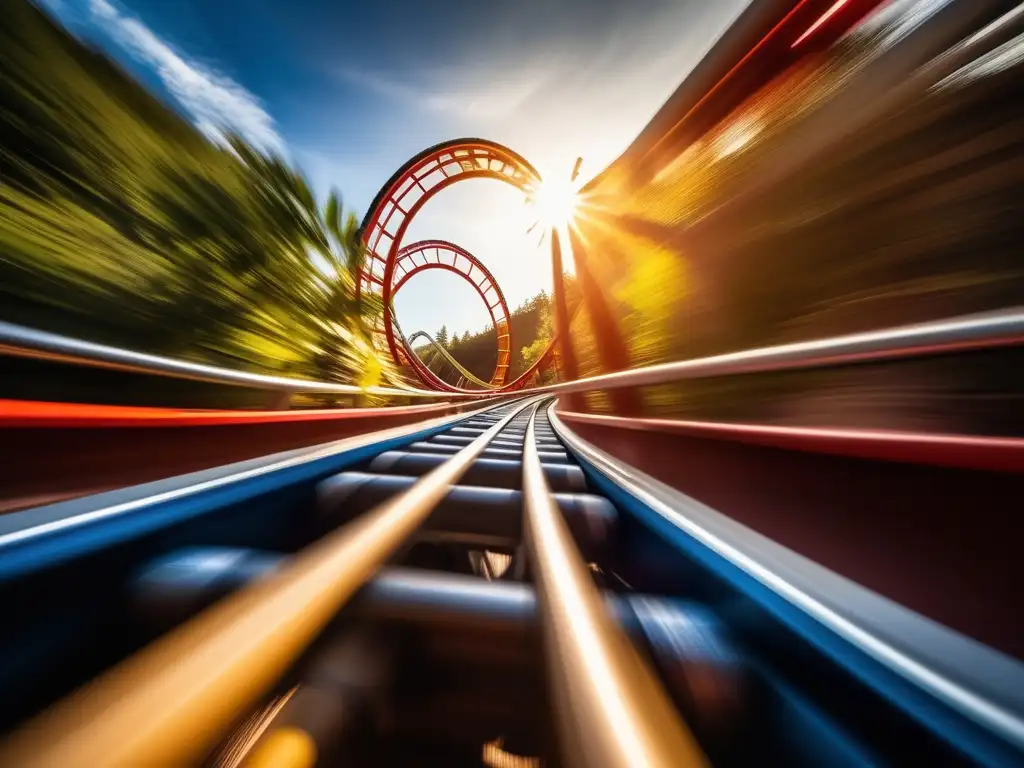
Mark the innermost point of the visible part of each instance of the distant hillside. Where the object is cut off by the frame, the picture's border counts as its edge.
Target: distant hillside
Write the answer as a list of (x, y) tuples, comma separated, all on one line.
[(479, 353), (531, 334)]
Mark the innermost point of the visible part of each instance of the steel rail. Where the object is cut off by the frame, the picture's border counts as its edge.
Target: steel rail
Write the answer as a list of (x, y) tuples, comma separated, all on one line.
[(854, 625), (960, 334), (22, 414), (169, 703), (611, 710), (48, 523), (20, 341)]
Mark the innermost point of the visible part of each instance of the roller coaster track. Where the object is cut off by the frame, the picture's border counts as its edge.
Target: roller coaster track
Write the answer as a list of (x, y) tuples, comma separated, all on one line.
[(386, 269), (410, 353), (494, 579), (503, 531), (451, 360), (408, 356), (441, 255), (249, 564), (246, 566)]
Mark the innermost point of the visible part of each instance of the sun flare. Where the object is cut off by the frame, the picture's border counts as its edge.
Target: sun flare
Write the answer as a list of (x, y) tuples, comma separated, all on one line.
[(556, 201)]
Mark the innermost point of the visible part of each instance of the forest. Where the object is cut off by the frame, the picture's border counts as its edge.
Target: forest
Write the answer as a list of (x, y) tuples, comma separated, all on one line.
[(531, 334), (123, 223)]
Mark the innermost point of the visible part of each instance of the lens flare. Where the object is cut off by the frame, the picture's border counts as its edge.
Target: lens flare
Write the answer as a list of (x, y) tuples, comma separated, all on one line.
[(556, 201)]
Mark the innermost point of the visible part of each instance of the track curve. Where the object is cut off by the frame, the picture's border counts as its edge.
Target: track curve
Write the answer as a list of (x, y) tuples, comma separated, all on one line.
[(466, 373)]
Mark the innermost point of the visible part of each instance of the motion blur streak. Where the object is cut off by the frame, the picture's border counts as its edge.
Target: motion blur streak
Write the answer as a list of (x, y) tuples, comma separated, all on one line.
[(821, 20)]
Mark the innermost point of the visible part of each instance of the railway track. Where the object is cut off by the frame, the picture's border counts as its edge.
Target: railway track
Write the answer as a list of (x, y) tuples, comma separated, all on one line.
[(479, 589)]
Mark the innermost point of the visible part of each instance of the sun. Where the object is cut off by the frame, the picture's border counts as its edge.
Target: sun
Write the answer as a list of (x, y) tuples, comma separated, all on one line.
[(556, 202)]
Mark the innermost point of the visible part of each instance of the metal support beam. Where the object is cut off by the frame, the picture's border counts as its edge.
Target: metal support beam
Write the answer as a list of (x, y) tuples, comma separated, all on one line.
[(570, 369), (611, 348)]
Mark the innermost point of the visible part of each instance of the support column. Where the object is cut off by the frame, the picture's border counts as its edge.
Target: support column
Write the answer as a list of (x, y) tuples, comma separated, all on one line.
[(570, 370), (611, 348)]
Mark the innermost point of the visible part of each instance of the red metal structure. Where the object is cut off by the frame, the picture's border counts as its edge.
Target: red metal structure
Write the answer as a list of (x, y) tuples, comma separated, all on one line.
[(766, 39), (394, 208), (439, 254)]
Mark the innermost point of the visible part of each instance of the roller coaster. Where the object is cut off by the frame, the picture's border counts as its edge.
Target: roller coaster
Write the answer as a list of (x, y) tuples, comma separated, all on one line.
[(504, 576), (447, 356)]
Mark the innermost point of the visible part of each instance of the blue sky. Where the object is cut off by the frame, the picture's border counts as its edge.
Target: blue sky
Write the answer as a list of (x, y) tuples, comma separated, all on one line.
[(350, 91)]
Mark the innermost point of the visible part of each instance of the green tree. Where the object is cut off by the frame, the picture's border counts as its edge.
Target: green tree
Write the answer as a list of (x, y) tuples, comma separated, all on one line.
[(530, 353), (120, 221)]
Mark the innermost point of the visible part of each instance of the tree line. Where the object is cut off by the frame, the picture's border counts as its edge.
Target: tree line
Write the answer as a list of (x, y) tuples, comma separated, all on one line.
[(530, 325)]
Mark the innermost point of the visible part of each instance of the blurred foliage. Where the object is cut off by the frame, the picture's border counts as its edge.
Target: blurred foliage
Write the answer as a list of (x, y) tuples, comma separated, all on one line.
[(123, 223), (915, 216)]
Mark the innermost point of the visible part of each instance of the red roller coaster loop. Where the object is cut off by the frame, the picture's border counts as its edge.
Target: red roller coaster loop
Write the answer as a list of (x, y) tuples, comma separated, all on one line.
[(397, 203), (439, 254)]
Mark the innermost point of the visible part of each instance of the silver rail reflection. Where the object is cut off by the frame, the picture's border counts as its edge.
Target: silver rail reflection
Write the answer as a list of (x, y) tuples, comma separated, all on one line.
[(19, 341), (984, 685), (964, 334), (611, 710), (961, 334)]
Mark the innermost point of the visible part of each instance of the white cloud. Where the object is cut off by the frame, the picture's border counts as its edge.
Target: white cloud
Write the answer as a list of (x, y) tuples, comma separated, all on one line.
[(215, 102), (484, 93)]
